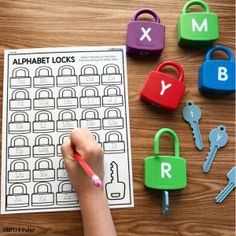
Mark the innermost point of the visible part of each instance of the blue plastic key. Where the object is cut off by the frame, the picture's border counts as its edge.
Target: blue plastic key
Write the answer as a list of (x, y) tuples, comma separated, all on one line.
[(229, 187), (165, 203), (218, 138), (192, 114)]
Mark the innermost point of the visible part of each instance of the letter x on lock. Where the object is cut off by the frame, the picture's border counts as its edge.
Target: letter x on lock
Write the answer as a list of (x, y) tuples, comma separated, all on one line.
[(145, 34)]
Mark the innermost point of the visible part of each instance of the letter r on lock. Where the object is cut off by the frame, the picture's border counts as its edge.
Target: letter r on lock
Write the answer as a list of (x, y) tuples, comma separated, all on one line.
[(165, 170)]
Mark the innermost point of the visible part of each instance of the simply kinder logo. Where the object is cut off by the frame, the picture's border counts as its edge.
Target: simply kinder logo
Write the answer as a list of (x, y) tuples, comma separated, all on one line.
[(18, 230)]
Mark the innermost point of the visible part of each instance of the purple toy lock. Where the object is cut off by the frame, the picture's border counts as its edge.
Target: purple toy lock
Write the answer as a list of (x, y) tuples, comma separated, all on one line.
[(145, 37)]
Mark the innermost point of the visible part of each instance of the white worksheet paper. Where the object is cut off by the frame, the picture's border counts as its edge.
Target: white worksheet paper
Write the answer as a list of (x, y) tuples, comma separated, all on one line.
[(47, 93)]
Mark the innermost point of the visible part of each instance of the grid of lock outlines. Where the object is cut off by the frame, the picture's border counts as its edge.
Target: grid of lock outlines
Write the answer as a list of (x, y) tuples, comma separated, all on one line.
[(43, 107)]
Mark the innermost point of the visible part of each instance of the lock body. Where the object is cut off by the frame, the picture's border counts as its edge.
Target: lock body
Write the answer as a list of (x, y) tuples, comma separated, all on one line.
[(197, 29), (145, 37), (217, 75), (163, 90), (165, 172)]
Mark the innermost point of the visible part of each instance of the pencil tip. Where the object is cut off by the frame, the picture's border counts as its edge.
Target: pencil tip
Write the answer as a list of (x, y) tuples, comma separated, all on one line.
[(97, 182)]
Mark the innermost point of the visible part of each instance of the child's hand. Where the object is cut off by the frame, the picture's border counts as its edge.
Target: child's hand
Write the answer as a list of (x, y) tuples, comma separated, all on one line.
[(83, 142)]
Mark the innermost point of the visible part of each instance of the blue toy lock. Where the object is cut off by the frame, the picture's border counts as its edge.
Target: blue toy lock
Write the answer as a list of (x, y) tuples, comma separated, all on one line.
[(217, 75)]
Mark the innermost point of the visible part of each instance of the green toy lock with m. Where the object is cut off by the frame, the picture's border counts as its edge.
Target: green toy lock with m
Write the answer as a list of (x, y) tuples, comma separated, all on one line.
[(165, 172), (196, 29)]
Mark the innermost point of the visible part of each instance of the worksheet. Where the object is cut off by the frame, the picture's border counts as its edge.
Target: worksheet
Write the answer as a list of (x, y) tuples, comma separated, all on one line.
[(47, 93)]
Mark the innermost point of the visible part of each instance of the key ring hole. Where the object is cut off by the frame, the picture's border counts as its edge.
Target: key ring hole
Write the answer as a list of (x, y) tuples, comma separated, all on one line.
[(190, 104), (222, 128)]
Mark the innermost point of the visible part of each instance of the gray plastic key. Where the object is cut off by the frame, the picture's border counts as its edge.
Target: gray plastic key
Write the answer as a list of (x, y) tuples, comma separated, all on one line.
[(231, 175), (218, 138), (192, 114), (165, 203)]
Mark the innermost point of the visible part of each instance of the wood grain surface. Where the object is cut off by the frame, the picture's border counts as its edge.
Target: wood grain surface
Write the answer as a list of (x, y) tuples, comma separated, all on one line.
[(193, 211)]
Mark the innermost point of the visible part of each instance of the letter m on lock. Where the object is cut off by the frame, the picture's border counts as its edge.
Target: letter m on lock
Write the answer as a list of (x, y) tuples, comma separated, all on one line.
[(165, 172), (197, 28)]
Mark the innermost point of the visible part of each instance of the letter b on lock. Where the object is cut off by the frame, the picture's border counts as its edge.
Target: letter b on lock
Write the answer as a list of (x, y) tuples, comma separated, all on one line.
[(217, 75), (165, 172)]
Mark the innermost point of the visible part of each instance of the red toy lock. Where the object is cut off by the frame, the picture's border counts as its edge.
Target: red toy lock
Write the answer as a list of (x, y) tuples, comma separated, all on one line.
[(163, 90)]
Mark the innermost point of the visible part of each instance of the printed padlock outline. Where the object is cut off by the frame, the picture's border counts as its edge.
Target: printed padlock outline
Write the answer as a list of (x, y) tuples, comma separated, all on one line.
[(48, 79), (60, 122), (97, 138), (19, 81), (109, 99), (145, 49), (43, 125), (111, 78), (209, 84), (38, 176), (182, 39), (25, 150), (48, 150), (147, 176), (62, 174), (62, 100), (19, 126), (19, 175), (90, 101), (67, 80), (18, 103), (113, 122), (38, 100), (89, 79), (114, 145), (19, 199), (149, 93), (93, 123), (39, 198), (61, 141), (66, 197)]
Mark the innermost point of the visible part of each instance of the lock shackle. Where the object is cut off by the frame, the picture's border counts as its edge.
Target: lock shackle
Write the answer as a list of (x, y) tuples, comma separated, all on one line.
[(195, 2), (62, 185), (220, 48), (173, 64), (66, 67), (43, 68), (64, 90), (16, 70), (106, 67), (63, 137), (16, 92), (109, 88), (148, 11), (61, 164), (174, 137), (14, 186), (86, 89), (96, 136)]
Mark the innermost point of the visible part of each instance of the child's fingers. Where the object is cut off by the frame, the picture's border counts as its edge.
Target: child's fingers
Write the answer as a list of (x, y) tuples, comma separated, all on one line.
[(67, 152), (84, 143)]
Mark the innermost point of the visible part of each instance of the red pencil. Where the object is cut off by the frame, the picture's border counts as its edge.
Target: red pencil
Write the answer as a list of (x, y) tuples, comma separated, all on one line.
[(96, 180)]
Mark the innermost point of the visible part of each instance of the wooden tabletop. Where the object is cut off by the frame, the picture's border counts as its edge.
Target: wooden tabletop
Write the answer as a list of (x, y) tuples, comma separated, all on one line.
[(193, 211)]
